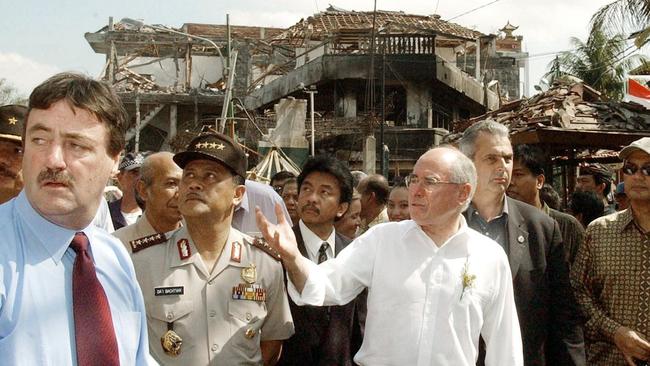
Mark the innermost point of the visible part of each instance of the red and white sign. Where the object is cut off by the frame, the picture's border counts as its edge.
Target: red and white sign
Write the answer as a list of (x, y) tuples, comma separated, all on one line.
[(638, 90)]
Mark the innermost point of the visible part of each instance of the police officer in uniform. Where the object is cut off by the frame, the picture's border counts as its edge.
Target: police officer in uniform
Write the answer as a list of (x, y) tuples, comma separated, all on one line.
[(12, 120), (213, 294)]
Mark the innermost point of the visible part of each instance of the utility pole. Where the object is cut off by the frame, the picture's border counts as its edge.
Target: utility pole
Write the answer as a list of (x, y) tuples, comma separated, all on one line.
[(311, 91), (383, 163)]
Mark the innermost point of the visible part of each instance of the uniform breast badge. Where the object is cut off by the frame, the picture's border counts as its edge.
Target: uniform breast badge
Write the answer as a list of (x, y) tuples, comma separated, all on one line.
[(171, 341), (249, 290), (249, 274)]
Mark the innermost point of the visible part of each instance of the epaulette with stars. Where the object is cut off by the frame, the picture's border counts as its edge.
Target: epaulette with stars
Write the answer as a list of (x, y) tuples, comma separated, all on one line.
[(147, 241), (266, 248)]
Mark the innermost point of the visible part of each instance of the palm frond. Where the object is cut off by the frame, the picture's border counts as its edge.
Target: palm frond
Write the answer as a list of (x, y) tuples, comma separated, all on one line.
[(622, 16)]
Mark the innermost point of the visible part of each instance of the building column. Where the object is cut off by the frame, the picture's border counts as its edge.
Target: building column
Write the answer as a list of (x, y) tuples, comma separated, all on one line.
[(346, 102), (418, 104), (369, 155)]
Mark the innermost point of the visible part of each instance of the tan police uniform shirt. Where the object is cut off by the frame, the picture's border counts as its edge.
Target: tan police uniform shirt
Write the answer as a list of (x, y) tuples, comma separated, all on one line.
[(209, 310), (139, 229), (380, 219)]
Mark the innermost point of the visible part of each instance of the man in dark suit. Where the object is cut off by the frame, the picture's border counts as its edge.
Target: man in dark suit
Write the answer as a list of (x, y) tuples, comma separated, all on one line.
[(323, 334), (548, 314), (527, 180)]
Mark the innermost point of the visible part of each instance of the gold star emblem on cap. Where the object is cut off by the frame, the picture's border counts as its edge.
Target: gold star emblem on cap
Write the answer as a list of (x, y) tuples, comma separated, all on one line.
[(213, 145), (220, 147), (201, 145), (12, 120)]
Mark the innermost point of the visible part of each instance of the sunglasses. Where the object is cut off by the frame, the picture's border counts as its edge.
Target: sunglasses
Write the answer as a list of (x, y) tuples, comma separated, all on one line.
[(631, 169)]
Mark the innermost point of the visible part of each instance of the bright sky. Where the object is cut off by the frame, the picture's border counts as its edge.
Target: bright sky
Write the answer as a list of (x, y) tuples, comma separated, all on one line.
[(40, 38)]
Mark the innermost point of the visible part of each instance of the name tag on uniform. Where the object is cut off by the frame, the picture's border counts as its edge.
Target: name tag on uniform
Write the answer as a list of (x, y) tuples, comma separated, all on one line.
[(252, 292), (166, 291)]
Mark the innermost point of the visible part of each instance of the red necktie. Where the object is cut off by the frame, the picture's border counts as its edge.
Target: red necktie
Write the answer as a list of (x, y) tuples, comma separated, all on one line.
[(94, 333)]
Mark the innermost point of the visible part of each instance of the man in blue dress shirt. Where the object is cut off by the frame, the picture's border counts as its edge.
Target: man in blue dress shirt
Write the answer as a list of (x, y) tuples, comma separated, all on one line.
[(73, 135)]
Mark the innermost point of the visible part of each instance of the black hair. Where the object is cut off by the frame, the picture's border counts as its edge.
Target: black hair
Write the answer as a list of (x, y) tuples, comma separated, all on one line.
[(530, 156), (329, 165), (601, 179), (282, 175), (238, 179), (588, 204), (549, 196)]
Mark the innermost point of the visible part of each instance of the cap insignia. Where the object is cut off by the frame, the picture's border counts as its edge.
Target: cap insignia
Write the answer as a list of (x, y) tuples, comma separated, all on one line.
[(210, 145)]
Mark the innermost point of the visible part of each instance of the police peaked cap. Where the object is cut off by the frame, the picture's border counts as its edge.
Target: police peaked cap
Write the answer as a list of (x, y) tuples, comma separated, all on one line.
[(216, 147), (12, 121)]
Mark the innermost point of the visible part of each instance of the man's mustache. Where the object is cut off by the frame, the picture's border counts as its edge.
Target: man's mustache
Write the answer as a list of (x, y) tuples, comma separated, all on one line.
[(310, 207), (51, 176)]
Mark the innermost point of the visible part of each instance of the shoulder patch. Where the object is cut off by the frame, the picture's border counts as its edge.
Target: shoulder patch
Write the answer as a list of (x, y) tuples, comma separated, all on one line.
[(147, 241), (262, 245)]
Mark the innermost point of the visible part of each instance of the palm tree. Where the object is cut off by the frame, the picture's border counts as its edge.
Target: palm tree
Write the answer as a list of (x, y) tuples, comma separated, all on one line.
[(625, 17), (600, 62)]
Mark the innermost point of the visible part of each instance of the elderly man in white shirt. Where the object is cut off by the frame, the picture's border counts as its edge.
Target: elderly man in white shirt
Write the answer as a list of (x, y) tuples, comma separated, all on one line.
[(435, 285)]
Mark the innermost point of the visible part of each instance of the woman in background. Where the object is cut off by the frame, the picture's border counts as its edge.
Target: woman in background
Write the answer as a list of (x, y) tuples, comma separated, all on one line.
[(398, 203)]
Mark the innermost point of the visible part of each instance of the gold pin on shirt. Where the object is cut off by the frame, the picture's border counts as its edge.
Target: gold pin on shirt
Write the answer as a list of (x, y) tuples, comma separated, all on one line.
[(250, 333), (249, 274)]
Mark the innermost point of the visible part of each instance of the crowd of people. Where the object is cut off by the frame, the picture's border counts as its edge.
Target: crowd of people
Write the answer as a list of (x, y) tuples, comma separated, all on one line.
[(469, 259)]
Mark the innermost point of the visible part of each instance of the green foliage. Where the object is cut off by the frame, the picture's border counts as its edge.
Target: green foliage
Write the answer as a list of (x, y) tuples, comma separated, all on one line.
[(600, 62), (625, 17)]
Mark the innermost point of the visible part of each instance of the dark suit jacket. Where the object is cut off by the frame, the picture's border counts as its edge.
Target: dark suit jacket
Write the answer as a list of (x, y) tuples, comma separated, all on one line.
[(572, 232), (548, 313), (323, 334), (116, 214)]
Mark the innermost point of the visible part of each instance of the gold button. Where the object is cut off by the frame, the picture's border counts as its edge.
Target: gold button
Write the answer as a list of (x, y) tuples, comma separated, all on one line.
[(250, 333)]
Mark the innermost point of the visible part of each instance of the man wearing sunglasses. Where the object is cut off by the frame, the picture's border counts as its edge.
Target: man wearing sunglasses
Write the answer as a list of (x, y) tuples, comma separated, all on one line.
[(611, 274)]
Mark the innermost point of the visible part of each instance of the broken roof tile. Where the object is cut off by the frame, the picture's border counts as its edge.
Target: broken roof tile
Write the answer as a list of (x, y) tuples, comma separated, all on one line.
[(323, 24)]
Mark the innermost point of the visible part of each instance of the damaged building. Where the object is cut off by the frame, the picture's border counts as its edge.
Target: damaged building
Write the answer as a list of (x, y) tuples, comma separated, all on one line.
[(417, 73), (374, 76), (172, 80)]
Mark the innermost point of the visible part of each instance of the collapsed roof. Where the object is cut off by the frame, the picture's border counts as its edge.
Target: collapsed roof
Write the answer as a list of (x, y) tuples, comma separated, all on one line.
[(326, 23), (570, 115)]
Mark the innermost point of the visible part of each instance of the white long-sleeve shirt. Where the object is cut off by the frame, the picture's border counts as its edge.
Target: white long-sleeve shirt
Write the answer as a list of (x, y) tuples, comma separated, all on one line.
[(416, 314)]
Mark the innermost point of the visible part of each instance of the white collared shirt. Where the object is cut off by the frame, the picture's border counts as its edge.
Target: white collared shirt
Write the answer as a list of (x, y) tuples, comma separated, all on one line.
[(313, 242), (419, 311)]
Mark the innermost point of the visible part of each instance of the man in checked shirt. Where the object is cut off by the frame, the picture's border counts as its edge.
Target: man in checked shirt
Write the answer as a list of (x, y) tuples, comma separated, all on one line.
[(611, 276)]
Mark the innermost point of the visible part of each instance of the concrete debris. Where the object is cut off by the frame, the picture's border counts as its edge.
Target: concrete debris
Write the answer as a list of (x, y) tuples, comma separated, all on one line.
[(570, 107)]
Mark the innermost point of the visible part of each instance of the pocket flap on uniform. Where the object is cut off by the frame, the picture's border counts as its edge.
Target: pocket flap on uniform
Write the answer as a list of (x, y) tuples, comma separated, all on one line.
[(170, 312), (246, 310)]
